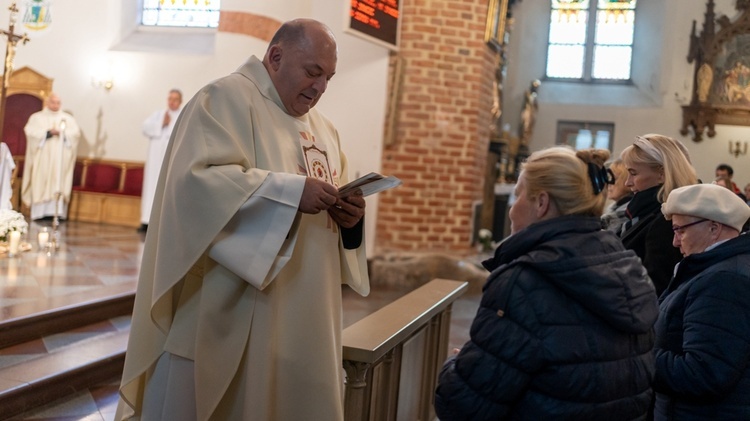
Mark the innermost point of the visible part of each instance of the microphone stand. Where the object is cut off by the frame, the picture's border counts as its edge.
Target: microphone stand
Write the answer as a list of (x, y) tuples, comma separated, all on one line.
[(54, 241)]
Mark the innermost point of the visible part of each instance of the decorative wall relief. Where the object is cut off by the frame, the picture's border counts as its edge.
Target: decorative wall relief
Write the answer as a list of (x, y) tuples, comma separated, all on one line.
[(721, 80)]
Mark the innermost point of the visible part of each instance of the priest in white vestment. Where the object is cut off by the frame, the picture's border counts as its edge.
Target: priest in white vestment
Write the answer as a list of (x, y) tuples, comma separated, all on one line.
[(238, 312), (158, 129), (52, 137)]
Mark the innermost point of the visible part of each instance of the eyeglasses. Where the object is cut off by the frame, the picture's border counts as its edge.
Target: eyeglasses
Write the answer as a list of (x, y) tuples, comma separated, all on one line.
[(680, 229)]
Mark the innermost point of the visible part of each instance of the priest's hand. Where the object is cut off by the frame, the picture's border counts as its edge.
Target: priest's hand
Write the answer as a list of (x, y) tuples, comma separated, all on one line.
[(165, 120), (349, 210), (317, 196)]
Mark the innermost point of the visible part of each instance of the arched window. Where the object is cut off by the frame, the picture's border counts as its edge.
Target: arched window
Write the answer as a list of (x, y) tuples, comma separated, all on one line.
[(188, 13), (591, 40)]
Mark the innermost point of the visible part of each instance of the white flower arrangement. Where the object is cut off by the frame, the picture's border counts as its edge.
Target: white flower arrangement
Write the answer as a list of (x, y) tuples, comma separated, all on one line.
[(11, 220), (485, 239)]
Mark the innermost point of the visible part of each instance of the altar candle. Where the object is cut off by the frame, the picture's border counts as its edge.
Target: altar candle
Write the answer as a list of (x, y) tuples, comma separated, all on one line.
[(43, 238), (14, 242)]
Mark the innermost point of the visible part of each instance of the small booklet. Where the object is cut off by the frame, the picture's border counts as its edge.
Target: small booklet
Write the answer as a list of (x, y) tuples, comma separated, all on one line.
[(369, 184)]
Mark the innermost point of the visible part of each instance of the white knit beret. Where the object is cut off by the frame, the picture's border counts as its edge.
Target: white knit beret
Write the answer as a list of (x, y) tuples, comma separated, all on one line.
[(707, 201)]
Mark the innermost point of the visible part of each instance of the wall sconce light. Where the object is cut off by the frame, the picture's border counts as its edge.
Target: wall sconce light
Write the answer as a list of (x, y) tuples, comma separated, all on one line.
[(106, 84), (101, 76), (737, 148)]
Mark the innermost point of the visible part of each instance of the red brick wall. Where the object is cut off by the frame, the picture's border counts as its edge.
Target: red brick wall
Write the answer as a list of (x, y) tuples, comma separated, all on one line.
[(246, 23), (442, 133)]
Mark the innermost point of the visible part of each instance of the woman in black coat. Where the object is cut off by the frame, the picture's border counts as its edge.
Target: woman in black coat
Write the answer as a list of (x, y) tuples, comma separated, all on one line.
[(656, 165), (564, 327)]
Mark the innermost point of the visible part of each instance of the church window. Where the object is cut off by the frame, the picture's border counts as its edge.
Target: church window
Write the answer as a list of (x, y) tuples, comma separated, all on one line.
[(591, 40), (584, 135), (181, 13)]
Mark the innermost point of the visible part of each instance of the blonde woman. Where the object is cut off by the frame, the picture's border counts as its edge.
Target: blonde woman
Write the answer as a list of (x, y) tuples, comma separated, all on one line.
[(656, 165), (564, 327)]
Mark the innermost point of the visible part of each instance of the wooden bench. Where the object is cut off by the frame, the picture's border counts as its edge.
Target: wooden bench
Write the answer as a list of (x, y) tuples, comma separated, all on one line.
[(107, 191)]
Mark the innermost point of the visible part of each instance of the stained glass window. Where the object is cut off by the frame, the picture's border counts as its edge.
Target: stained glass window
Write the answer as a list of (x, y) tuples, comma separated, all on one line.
[(188, 13), (591, 39)]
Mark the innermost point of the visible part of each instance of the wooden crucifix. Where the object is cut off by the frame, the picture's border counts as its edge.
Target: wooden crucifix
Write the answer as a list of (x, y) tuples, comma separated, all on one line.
[(10, 53)]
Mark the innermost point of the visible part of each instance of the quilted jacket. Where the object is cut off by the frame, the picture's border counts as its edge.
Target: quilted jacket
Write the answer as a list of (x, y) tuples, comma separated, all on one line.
[(703, 337), (564, 331)]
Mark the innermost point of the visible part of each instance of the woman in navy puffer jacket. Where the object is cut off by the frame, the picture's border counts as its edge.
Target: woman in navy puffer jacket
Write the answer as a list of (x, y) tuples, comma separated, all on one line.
[(703, 331), (565, 324)]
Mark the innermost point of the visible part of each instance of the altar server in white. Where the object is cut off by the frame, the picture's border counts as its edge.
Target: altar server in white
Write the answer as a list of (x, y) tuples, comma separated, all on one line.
[(157, 128), (238, 310), (52, 137)]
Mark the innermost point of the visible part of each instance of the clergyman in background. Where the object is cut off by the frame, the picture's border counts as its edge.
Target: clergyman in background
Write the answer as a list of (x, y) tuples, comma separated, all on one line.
[(158, 129), (52, 137)]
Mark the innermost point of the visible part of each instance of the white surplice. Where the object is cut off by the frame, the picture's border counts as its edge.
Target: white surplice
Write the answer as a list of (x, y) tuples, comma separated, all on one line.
[(239, 296), (158, 138)]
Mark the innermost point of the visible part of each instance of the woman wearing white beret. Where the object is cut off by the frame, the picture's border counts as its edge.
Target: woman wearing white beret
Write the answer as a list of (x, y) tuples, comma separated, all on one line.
[(702, 333)]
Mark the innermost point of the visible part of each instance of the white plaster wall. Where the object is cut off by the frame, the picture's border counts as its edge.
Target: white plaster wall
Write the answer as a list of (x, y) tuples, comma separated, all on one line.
[(662, 76), (146, 64)]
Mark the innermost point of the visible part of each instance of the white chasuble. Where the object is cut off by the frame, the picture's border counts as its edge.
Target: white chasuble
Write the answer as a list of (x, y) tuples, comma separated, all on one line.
[(241, 290), (49, 162)]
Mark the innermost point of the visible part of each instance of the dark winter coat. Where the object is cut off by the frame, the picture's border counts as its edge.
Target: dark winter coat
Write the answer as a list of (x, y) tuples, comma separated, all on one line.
[(703, 337), (651, 238), (563, 331)]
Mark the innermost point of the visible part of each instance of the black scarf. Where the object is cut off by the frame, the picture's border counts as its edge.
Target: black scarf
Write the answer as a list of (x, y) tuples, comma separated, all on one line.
[(644, 203)]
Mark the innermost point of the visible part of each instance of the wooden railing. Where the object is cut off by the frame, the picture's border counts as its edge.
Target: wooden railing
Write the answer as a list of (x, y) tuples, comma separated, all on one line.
[(392, 357)]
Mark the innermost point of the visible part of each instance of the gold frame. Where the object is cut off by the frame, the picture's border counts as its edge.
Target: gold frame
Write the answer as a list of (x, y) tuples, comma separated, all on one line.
[(494, 32)]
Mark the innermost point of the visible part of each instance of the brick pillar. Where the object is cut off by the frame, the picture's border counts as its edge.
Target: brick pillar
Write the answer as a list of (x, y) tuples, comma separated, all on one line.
[(442, 131)]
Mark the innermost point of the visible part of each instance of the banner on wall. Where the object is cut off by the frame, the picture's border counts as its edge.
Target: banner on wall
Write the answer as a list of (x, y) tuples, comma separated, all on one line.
[(36, 18)]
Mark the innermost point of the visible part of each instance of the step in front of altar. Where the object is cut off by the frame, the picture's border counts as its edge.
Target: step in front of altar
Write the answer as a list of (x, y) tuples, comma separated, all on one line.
[(53, 352)]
